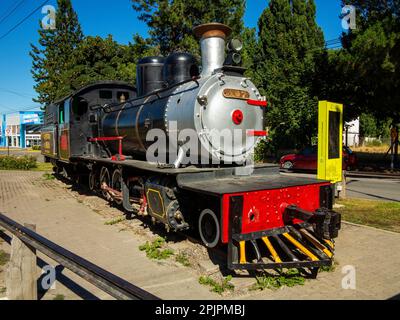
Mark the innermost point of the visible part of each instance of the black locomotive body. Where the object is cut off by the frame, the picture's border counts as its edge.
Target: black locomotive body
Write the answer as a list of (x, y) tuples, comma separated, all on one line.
[(101, 134)]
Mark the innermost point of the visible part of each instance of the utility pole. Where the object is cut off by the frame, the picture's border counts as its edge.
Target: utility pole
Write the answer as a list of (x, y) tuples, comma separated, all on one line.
[(396, 147)]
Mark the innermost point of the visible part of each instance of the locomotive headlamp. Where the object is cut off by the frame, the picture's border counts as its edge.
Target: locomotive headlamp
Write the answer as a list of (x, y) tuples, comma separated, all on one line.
[(235, 45), (236, 58)]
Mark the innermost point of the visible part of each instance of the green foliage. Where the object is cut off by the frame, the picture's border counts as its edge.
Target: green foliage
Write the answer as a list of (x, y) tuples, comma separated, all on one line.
[(289, 279), (4, 258), (260, 153), (171, 22), (290, 43), (52, 56), (370, 126), (183, 259), (17, 163), (217, 286), (65, 60), (48, 177), (36, 148), (97, 59), (115, 221), (154, 249), (41, 166), (331, 268), (367, 68)]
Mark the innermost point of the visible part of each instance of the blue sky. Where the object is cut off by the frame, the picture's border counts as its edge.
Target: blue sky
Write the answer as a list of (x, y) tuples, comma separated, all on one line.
[(97, 17)]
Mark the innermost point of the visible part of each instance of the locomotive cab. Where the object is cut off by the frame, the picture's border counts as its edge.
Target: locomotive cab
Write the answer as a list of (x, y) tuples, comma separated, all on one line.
[(72, 121)]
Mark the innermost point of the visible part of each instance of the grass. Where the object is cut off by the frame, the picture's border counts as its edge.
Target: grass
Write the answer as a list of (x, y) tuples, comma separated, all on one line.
[(43, 167), (183, 259), (154, 250), (378, 214), (290, 278), (217, 286), (114, 221), (48, 177), (4, 258), (372, 149), (59, 297)]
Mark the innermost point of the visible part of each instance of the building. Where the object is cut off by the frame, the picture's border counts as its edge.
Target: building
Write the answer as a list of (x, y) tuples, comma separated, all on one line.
[(21, 129), (351, 134)]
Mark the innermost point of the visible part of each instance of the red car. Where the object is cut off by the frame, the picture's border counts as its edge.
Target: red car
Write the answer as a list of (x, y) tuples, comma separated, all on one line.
[(307, 159)]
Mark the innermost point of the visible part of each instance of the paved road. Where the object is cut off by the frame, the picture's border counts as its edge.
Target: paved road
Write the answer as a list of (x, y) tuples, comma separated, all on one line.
[(374, 189), (366, 188), (67, 220)]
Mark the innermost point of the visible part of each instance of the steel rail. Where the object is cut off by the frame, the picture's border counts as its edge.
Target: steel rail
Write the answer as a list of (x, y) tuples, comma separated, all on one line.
[(102, 279)]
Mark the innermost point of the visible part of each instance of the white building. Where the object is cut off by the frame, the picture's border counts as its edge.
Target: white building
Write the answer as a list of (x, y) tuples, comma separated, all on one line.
[(351, 135)]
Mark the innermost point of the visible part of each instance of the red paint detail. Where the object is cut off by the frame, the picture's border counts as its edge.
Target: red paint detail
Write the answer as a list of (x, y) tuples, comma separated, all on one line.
[(106, 139), (64, 141), (266, 207), (237, 117), (143, 207), (255, 133), (119, 156), (257, 103)]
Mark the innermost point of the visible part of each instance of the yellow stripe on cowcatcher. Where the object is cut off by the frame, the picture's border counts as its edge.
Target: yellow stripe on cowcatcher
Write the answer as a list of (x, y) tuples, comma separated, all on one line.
[(272, 250), (316, 243), (301, 247), (243, 259)]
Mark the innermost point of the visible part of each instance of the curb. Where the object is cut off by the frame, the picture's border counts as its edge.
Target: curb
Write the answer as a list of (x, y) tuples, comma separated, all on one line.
[(371, 228), (371, 175)]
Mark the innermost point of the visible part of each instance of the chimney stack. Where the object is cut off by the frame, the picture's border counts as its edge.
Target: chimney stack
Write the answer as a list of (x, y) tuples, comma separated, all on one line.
[(212, 41)]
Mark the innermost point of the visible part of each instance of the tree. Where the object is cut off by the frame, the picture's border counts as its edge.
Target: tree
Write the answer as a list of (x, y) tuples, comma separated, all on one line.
[(171, 22), (250, 50), (370, 60), (290, 43), (96, 59), (51, 57)]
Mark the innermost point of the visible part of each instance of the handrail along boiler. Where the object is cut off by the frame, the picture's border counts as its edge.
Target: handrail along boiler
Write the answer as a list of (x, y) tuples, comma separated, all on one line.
[(265, 219)]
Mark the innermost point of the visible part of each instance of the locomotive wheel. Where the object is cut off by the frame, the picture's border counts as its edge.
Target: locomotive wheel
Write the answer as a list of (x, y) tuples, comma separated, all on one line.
[(117, 184), (92, 180), (105, 180), (209, 228)]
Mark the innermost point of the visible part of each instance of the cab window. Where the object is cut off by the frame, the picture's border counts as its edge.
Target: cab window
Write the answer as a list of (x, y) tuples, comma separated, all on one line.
[(106, 94), (122, 96), (61, 113)]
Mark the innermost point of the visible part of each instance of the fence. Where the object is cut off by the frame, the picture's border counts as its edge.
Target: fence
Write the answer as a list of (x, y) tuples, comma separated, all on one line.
[(22, 273)]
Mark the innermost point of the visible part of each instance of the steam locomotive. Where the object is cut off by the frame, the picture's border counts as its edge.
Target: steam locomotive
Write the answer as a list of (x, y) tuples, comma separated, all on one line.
[(157, 150)]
